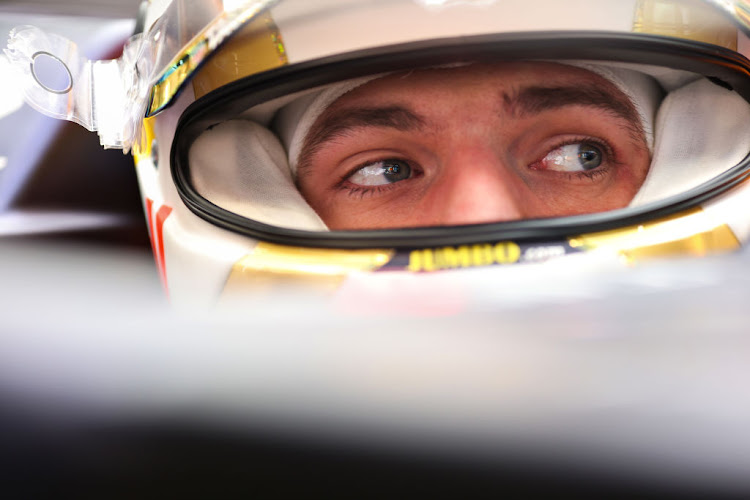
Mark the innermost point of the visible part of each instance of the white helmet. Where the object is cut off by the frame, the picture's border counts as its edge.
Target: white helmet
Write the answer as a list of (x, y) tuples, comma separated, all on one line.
[(358, 146)]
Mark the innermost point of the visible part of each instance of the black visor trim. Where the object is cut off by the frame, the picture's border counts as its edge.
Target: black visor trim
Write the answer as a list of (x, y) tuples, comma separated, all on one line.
[(729, 68)]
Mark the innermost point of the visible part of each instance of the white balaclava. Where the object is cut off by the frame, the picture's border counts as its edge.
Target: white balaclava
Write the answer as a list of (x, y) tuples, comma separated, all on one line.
[(701, 131)]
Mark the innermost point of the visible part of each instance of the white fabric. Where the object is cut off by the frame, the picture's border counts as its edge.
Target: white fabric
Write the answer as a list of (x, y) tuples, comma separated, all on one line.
[(294, 120), (241, 167), (701, 131), (642, 90)]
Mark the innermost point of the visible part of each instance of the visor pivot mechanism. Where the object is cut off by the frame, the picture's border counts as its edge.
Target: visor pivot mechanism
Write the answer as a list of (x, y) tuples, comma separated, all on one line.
[(108, 97), (36, 72)]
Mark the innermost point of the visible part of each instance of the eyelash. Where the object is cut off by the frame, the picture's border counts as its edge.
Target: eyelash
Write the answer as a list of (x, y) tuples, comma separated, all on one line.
[(362, 191)]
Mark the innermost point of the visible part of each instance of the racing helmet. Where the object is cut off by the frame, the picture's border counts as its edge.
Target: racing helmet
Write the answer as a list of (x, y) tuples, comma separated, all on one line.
[(274, 139)]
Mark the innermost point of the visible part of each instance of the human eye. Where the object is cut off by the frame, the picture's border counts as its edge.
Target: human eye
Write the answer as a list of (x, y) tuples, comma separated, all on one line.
[(380, 173), (575, 157)]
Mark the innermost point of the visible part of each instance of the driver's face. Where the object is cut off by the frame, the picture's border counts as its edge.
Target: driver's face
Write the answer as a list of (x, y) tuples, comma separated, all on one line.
[(473, 144)]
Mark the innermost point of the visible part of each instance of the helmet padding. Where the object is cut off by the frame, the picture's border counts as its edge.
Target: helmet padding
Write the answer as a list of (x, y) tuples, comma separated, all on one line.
[(701, 131), (242, 167)]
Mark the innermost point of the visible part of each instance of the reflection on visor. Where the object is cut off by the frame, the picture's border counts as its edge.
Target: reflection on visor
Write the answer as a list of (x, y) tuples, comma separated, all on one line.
[(112, 97)]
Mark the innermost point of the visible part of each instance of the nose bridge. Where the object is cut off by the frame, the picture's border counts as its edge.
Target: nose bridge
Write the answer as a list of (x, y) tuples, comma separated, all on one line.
[(477, 184)]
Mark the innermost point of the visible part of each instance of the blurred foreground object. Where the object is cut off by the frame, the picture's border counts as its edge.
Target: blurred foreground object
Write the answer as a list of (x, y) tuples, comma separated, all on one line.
[(635, 386)]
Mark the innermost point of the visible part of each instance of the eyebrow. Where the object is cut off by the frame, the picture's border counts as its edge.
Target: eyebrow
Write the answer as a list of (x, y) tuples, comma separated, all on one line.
[(343, 122), (528, 100), (537, 99)]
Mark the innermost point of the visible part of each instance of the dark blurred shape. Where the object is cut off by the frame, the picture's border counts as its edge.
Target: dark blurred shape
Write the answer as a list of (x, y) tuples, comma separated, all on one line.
[(76, 174), (121, 460)]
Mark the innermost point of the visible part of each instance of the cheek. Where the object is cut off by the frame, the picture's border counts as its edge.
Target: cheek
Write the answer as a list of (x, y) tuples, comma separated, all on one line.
[(629, 178), (617, 191), (353, 217), (311, 194), (340, 210)]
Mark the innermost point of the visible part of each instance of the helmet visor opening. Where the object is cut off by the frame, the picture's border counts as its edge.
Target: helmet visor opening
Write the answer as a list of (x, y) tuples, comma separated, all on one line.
[(449, 141)]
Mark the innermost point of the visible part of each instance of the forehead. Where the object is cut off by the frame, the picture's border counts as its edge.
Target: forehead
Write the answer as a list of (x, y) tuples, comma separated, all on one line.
[(466, 81)]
